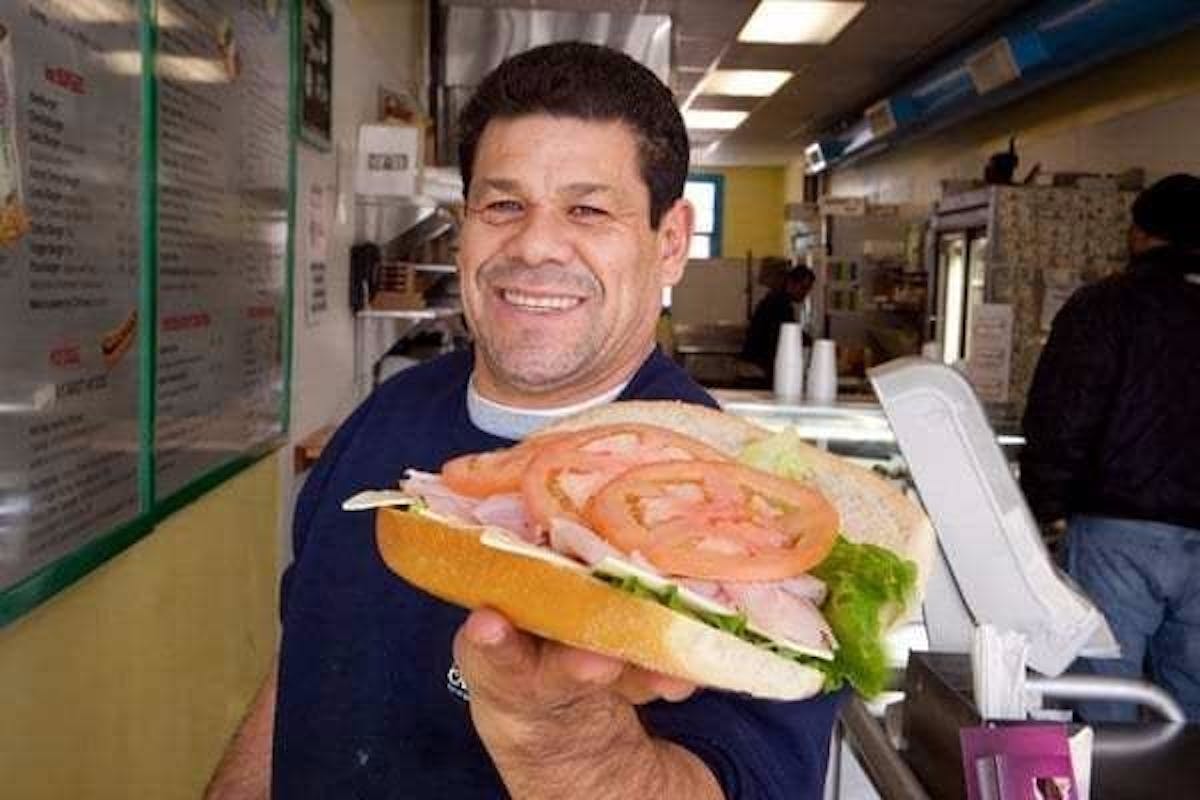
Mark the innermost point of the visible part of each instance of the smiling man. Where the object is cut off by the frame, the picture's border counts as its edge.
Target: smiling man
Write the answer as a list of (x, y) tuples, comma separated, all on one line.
[(574, 159)]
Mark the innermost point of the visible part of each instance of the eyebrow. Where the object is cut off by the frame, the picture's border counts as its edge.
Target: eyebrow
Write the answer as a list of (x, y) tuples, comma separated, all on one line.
[(577, 189)]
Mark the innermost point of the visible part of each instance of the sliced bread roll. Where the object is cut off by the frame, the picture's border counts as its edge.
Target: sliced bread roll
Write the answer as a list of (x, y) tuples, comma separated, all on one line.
[(568, 605), (571, 607)]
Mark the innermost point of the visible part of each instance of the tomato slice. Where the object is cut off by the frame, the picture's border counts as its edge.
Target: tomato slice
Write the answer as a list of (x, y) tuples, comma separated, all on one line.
[(719, 521), (564, 475), (494, 472)]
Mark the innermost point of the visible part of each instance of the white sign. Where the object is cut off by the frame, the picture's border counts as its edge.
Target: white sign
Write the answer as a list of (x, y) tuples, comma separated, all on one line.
[(989, 362), (844, 206), (389, 157)]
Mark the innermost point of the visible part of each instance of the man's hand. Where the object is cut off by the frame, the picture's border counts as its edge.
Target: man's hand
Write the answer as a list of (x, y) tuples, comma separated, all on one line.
[(559, 721)]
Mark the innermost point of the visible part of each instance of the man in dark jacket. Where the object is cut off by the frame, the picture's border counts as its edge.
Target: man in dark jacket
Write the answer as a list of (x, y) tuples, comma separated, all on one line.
[(1113, 430)]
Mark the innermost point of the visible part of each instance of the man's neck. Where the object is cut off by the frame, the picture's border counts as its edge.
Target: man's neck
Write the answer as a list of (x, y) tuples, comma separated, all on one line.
[(516, 422), (484, 383)]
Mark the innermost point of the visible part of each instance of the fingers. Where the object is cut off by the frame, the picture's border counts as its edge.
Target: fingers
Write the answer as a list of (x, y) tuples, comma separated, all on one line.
[(640, 686), (490, 652), (502, 662)]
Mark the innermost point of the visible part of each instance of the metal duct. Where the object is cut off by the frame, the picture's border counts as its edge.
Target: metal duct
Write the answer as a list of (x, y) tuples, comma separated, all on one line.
[(474, 40), (1053, 41)]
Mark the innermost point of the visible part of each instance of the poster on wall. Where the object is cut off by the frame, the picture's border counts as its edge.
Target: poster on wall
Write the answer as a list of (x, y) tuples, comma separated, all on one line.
[(989, 364), (222, 233), (316, 73), (316, 285), (70, 151)]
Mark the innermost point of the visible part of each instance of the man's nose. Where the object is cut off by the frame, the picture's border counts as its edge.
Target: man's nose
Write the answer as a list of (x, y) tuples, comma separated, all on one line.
[(542, 237)]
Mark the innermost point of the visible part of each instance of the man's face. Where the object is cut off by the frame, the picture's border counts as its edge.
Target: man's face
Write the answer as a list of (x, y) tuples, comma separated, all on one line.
[(561, 272)]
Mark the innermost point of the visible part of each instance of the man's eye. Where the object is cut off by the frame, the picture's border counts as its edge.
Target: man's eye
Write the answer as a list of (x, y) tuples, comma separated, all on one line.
[(588, 212), (503, 207), (499, 211)]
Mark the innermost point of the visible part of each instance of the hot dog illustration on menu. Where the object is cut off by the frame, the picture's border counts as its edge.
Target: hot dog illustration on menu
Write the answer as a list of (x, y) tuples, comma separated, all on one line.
[(117, 341), (14, 222)]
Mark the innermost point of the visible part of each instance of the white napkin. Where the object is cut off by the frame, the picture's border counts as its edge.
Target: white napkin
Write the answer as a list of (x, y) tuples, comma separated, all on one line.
[(998, 667), (1081, 760)]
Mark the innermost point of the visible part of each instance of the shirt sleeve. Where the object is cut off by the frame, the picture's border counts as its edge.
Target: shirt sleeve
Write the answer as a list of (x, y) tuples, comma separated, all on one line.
[(757, 749), (1069, 402), (312, 491)]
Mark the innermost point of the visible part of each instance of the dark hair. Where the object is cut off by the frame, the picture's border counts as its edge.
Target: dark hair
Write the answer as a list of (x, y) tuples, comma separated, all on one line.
[(589, 82), (801, 274), (1168, 211)]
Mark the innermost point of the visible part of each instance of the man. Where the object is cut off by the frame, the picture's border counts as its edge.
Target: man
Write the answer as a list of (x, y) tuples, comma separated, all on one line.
[(776, 307), (1113, 430), (574, 160)]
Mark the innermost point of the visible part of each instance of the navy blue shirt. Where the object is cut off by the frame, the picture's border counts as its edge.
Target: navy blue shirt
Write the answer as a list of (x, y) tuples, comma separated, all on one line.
[(367, 705)]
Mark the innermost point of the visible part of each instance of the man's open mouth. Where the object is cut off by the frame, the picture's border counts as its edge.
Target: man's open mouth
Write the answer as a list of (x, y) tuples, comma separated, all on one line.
[(540, 303)]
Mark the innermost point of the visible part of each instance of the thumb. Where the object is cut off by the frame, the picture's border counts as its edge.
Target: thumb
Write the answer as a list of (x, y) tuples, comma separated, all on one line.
[(487, 645)]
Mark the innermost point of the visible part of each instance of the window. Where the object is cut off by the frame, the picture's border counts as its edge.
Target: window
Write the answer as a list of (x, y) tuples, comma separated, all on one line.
[(706, 194)]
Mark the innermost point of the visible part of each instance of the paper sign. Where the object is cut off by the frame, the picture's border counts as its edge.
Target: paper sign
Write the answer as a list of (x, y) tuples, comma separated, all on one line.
[(989, 361)]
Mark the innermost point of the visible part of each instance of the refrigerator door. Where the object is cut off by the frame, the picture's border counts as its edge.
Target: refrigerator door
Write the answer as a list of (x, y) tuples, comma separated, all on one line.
[(951, 280), (976, 270)]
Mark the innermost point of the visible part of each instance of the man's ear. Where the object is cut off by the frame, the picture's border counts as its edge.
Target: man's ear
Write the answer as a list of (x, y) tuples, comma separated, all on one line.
[(674, 240)]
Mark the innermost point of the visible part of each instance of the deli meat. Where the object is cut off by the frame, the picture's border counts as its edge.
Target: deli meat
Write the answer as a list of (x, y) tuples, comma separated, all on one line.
[(772, 609), (440, 498), (507, 511), (579, 542)]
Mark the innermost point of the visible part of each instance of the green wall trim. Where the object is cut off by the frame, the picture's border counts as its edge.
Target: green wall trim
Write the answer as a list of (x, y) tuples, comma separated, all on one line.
[(148, 301), (58, 575)]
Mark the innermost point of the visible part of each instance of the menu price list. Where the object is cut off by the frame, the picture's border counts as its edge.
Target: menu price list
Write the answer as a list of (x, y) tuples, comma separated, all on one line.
[(222, 233), (70, 149)]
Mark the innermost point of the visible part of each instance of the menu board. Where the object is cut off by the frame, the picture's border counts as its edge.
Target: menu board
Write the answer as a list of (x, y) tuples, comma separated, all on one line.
[(222, 70), (144, 267), (70, 161)]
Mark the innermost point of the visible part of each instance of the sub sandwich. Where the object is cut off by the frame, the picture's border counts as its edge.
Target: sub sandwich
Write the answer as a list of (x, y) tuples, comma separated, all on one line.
[(675, 537)]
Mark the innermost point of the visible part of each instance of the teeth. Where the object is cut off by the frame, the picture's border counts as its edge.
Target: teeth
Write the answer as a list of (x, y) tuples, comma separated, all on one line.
[(540, 302)]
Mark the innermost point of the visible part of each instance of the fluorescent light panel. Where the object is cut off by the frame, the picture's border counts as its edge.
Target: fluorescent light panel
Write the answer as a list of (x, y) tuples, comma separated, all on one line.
[(799, 21), (714, 120), (744, 82)]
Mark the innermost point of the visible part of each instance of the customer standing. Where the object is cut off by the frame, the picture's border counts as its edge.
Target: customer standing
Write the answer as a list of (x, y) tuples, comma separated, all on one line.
[(1113, 452), (777, 307)]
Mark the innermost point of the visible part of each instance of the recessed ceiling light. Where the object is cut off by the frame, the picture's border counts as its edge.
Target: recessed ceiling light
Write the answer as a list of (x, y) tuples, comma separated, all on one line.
[(744, 82), (799, 21), (714, 120)]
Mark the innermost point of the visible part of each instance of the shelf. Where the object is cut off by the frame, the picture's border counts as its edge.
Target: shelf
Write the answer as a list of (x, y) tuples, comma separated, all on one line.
[(441, 269), (410, 314)]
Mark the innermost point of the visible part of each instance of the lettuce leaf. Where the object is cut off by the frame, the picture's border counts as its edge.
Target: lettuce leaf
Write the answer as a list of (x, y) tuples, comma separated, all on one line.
[(779, 455), (866, 586)]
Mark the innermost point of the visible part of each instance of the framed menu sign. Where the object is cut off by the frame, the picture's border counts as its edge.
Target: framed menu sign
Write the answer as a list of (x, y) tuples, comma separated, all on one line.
[(222, 234), (70, 189), (145, 281)]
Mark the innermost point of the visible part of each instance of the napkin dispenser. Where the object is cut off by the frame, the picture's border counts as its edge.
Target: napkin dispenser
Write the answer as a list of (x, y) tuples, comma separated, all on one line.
[(993, 567)]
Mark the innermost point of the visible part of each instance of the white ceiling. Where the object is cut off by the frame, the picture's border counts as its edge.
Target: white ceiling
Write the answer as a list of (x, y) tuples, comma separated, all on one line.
[(887, 42)]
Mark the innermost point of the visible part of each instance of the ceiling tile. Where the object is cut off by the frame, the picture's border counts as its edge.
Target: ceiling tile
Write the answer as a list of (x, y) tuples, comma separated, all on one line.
[(721, 102), (768, 56)]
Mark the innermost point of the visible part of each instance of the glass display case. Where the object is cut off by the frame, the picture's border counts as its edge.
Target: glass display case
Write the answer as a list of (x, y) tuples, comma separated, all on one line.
[(853, 428)]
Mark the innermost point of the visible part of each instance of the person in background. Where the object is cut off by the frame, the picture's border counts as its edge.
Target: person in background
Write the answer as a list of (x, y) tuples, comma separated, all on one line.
[(1113, 435), (574, 159), (777, 307)]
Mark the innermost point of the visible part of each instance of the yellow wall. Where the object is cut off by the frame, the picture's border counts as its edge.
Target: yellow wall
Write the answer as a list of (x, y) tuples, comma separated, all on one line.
[(127, 684), (753, 214)]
